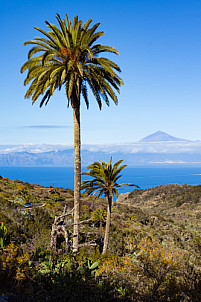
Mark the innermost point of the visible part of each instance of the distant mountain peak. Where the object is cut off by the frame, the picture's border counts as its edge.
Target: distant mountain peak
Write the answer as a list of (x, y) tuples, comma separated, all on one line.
[(160, 136)]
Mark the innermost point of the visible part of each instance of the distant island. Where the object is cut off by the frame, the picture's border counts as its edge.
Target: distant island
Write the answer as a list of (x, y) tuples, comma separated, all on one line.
[(156, 148)]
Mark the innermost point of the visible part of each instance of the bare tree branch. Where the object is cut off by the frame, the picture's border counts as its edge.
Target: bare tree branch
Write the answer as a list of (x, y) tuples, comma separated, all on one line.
[(66, 235), (83, 221), (91, 243)]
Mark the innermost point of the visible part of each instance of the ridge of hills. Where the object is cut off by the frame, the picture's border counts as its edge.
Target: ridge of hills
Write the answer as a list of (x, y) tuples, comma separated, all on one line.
[(180, 204)]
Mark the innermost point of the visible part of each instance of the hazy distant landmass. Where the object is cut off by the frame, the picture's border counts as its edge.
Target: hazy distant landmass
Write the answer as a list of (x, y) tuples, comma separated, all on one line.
[(157, 148)]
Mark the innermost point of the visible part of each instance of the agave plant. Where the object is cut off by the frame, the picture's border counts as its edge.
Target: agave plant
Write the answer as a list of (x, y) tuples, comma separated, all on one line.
[(3, 233)]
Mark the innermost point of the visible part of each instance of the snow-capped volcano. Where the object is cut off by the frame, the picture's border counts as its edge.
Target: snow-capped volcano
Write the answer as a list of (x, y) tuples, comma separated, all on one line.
[(161, 136)]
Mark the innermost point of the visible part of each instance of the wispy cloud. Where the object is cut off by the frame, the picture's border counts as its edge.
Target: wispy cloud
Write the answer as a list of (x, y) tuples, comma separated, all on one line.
[(154, 147), (46, 126), (133, 148), (33, 148)]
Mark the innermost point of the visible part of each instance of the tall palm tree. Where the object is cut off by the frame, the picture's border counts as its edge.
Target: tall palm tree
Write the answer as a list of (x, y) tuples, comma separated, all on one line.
[(104, 182), (68, 56)]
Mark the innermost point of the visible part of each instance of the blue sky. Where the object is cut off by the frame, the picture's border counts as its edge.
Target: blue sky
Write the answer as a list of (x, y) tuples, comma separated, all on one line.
[(160, 57)]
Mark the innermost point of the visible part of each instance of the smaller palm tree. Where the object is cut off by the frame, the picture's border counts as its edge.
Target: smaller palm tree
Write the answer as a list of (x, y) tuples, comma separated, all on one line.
[(104, 182)]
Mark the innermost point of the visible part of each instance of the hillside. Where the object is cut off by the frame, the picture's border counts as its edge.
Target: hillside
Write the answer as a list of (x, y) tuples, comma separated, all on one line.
[(173, 210), (154, 248)]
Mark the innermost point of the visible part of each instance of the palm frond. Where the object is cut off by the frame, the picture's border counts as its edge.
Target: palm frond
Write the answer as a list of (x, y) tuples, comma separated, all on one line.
[(84, 94), (34, 50)]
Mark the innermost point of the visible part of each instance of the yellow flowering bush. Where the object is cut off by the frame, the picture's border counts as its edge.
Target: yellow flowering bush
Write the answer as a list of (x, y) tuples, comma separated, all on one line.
[(13, 263), (148, 269)]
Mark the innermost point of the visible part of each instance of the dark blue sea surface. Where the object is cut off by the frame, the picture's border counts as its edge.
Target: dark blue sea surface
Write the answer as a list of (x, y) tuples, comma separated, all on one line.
[(144, 177)]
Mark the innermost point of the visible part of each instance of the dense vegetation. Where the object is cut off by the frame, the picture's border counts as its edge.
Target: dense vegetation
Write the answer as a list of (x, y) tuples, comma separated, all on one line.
[(153, 253)]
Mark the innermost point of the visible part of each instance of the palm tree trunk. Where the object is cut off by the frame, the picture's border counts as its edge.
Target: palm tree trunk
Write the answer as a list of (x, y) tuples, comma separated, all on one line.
[(107, 227), (77, 173), (101, 227)]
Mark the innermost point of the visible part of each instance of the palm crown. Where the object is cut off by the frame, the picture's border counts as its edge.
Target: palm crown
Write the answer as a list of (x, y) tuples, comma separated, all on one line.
[(68, 55), (105, 178)]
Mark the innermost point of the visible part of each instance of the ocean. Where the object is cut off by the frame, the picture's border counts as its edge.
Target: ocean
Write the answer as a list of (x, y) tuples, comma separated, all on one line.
[(143, 176)]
